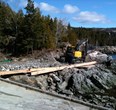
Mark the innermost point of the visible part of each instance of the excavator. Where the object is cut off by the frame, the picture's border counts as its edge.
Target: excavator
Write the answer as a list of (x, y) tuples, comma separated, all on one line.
[(76, 53)]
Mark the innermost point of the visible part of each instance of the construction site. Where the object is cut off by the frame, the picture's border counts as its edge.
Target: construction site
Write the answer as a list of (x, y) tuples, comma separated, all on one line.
[(45, 83), (57, 55)]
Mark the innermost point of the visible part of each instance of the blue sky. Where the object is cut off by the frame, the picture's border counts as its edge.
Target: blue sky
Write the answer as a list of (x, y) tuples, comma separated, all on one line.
[(85, 13)]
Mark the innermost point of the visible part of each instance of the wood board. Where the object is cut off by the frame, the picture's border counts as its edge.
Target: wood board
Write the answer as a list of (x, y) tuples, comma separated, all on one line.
[(38, 71)]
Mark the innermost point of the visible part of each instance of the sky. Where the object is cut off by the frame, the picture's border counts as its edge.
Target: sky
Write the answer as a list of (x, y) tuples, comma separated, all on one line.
[(79, 13)]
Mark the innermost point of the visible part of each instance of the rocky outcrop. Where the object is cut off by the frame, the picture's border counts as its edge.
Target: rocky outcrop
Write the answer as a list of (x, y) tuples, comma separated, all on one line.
[(107, 49), (95, 85), (92, 85)]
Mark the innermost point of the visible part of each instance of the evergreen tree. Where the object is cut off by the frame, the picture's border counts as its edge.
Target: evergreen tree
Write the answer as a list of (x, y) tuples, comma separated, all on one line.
[(72, 37), (30, 9), (6, 27), (28, 31), (19, 33)]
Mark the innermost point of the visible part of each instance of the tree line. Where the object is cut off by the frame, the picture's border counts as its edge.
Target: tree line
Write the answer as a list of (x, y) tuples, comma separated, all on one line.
[(25, 32), (97, 36)]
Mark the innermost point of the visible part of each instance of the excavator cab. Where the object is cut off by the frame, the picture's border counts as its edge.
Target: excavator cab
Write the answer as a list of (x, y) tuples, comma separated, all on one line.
[(81, 50)]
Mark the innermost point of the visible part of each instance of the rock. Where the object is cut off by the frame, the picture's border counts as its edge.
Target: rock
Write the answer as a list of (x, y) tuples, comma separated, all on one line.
[(55, 78), (42, 81), (29, 80), (23, 59), (108, 105), (15, 78), (66, 92), (50, 81), (112, 91), (94, 79), (108, 49), (98, 56), (63, 85), (97, 82), (39, 84)]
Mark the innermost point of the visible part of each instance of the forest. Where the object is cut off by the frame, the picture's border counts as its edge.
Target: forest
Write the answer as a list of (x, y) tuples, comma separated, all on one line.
[(22, 33)]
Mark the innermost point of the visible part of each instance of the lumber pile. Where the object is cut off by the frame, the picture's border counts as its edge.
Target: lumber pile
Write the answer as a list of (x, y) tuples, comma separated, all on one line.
[(39, 71)]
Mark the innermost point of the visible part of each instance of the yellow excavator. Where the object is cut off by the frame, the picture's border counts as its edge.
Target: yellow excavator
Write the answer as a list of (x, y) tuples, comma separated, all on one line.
[(76, 53)]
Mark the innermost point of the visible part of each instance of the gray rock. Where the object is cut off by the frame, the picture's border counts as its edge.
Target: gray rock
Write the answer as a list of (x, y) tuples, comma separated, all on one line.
[(66, 92), (63, 85), (107, 49), (55, 78), (98, 56)]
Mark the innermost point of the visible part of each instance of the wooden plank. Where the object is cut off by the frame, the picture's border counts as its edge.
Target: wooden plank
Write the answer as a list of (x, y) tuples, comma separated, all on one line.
[(37, 71), (53, 69), (14, 72)]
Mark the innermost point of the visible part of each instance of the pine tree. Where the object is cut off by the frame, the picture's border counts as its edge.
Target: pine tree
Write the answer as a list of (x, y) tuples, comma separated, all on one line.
[(30, 9), (28, 21), (72, 37), (6, 27)]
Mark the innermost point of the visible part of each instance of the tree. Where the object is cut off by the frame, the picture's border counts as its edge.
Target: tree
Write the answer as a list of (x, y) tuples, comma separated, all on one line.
[(6, 26), (30, 9), (61, 31), (72, 37), (28, 22)]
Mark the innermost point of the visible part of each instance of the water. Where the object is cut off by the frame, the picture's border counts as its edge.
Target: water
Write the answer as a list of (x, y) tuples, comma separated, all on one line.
[(114, 56)]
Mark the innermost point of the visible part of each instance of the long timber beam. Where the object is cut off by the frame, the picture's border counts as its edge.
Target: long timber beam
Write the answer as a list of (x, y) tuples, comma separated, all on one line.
[(38, 71)]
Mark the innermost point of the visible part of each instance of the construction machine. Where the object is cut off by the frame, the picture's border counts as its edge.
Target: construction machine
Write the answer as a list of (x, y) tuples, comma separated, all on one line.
[(76, 53)]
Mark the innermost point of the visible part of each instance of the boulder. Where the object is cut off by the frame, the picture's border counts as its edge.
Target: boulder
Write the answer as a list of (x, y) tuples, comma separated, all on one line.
[(98, 56), (96, 79)]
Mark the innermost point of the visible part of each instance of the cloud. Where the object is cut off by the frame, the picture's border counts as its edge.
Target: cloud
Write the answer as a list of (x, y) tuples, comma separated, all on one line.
[(90, 17), (70, 9), (46, 7)]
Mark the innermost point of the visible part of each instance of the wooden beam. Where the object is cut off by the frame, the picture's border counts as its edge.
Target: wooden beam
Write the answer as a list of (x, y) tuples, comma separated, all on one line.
[(2, 73), (38, 71), (53, 69)]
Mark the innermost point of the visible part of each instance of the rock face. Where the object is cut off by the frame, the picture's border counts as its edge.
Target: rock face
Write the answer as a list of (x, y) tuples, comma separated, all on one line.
[(107, 49), (96, 85)]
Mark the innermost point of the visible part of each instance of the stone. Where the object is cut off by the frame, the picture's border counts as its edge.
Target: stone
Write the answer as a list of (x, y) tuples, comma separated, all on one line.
[(98, 56), (63, 85), (55, 78)]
